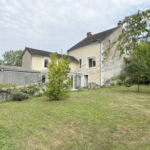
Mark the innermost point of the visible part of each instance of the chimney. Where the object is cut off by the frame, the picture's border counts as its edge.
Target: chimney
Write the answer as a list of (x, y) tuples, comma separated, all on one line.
[(89, 34), (119, 23)]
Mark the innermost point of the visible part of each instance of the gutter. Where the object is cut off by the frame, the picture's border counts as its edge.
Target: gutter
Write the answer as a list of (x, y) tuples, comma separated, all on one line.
[(31, 62)]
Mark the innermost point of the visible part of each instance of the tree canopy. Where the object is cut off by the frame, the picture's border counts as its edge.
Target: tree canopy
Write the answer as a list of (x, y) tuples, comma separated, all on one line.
[(137, 68), (135, 28), (12, 58)]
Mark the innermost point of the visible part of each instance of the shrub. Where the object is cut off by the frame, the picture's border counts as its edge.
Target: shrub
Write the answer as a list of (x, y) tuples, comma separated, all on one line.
[(8, 87), (122, 76), (30, 88), (119, 83), (39, 95), (58, 80), (112, 84), (93, 88), (80, 89), (18, 96)]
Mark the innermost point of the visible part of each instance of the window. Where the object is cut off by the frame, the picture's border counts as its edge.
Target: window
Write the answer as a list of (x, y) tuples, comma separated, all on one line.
[(91, 62), (43, 79), (45, 63), (80, 63)]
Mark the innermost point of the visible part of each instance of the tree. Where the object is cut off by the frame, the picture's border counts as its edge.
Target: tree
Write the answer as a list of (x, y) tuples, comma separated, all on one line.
[(1, 62), (12, 58), (136, 71), (137, 68), (142, 51), (136, 28), (58, 80)]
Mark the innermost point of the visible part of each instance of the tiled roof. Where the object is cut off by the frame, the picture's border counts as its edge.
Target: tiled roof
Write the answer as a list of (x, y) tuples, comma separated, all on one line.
[(33, 51), (18, 69), (94, 38)]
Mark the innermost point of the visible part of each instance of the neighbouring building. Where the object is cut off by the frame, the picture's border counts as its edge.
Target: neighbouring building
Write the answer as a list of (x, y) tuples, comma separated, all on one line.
[(87, 62)]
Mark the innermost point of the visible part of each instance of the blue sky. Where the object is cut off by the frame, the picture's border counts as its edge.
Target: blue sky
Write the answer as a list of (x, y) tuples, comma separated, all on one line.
[(53, 25)]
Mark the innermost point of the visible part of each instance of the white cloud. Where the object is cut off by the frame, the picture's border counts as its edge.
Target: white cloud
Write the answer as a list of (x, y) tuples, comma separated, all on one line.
[(56, 24)]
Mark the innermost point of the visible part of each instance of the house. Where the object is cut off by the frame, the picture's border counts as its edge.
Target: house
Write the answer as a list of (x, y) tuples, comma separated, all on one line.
[(36, 59), (89, 53), (87, 62)]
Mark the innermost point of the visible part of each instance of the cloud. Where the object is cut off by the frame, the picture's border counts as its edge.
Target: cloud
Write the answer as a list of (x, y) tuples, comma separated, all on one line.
[(56, 24)]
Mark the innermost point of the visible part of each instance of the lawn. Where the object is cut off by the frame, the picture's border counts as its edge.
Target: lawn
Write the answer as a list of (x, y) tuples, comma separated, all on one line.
[(106, 118)]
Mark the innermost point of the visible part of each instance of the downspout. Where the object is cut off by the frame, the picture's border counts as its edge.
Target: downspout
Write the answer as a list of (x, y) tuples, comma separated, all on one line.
[(100, 65), (31, 61)]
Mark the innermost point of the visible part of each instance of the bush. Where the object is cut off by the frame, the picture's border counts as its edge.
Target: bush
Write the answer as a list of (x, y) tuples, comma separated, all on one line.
[(120, 83), (39, 95), (8, 87), (58, 80), (18, 96), (128, 83), (112, 84), (122, 76), (80, 89), (30, 88)]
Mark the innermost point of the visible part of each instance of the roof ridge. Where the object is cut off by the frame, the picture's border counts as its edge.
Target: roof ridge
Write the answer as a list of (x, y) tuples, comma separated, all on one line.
[(37, 49), (95, 37), (44, 53), (104, 31)]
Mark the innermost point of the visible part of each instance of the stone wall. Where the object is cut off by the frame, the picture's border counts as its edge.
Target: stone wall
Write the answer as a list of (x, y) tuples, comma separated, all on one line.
[(20, 78), (113, 64), (4, 96)]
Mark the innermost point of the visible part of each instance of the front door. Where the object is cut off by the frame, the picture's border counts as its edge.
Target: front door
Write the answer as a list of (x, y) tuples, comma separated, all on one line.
[(85, 80)]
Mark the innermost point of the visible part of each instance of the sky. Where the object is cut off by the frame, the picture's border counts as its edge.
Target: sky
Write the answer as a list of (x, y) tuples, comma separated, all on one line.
[(53, 25)]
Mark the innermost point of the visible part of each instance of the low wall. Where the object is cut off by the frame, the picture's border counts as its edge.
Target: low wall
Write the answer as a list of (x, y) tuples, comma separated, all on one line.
[(20, 78), (4, 96)]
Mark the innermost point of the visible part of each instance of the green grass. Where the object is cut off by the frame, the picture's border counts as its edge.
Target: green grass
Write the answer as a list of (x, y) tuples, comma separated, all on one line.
[(5, 140), (107, 118)]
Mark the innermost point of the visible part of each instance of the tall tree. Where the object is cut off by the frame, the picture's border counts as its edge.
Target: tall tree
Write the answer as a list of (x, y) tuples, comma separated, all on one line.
[(58, 79), (136, 71), (142, 51), (135, 28), (1, 62), (12, 58), (137, 68)]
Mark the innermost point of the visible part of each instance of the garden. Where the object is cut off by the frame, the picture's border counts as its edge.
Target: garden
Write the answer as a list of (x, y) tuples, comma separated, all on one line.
[(116, 117)]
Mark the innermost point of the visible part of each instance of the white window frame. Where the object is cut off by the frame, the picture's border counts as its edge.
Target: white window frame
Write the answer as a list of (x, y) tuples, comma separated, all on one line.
[(81, 63), (45, 58), (87, 64)]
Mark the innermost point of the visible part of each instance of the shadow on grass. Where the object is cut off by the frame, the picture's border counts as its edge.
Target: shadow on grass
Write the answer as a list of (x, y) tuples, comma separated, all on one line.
[(54, 100), (134, 91)]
